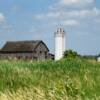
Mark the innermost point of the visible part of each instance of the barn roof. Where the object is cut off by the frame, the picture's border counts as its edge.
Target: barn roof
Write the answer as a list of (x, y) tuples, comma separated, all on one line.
[(21, 46)]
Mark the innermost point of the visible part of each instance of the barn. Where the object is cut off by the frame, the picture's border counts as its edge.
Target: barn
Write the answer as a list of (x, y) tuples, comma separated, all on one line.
[(36, 50)]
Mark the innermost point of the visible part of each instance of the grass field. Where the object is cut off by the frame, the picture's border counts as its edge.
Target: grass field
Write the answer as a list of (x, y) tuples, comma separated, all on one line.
[(67, 79)]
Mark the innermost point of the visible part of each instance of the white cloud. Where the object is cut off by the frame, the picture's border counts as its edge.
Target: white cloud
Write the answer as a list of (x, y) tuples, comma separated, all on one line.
[(53, 15), (70, 16), (72, 4), (70, 22), (4, 26), (39, 16), (48, 15), (84, 13), (2, 18), (76, 2)]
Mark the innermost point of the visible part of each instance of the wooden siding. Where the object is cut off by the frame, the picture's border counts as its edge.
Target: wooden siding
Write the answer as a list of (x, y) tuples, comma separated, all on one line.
[(16, 56), (41, 52)]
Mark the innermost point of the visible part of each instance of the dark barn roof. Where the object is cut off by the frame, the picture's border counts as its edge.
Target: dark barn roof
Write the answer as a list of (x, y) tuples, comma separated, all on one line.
[(21, 46)]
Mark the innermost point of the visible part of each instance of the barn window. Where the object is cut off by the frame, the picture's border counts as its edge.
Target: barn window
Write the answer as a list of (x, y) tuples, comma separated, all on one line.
[(35, 52), (45, 52), (46, 56), (35, 58)]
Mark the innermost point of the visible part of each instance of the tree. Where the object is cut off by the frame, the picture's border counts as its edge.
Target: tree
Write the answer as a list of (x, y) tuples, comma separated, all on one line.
[(70, 54)]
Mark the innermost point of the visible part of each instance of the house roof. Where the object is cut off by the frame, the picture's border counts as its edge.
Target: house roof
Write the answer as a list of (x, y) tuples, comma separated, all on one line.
[(21, 46)]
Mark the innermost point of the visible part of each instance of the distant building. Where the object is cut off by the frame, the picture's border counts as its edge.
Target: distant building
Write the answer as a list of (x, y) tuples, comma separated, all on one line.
[(98, 58), (36, 50), (59, 43)]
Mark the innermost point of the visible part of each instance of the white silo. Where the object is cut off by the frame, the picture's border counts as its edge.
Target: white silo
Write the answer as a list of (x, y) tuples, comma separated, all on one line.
[(59, 43)]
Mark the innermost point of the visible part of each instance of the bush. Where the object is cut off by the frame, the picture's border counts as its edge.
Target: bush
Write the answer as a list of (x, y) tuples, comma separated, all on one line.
[(70, 54)]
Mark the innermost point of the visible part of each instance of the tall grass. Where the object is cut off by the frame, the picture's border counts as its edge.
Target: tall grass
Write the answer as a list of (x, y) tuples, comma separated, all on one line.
[(67, 79)]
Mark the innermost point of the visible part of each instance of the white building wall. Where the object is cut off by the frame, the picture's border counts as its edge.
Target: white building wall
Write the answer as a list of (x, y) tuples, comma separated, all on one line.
[(59, 44), (98, 59)]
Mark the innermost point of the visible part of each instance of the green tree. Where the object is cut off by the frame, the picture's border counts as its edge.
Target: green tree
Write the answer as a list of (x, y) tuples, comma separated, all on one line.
[(70, 54)]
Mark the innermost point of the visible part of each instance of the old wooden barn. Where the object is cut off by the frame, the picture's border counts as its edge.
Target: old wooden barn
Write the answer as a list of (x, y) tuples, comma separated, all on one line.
[(36, 50)]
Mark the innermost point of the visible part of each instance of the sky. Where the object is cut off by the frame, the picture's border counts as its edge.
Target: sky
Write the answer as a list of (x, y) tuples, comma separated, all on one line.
[(39, 19)]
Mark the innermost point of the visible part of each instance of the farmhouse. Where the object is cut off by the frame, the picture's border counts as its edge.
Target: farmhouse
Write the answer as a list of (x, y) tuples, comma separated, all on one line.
[(36, 50)]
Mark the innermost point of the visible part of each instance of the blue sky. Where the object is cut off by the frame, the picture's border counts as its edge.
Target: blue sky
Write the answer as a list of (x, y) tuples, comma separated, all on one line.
[(39, 19)]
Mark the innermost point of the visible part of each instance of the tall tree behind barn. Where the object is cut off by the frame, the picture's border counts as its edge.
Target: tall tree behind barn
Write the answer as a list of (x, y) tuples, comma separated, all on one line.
[(36, 50)]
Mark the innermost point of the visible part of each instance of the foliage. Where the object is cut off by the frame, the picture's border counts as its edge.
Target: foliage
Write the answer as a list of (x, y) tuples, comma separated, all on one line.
[(70, 54), (67, 79)]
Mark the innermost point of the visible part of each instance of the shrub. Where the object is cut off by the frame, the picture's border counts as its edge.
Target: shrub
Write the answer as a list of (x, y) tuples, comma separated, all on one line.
[(70, 54)]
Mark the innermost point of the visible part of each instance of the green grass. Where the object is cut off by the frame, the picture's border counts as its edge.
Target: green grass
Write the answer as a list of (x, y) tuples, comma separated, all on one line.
[(67, 79)]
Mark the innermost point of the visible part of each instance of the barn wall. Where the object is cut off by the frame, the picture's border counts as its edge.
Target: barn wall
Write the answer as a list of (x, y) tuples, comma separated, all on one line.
[(41, 52), (17, 55)]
